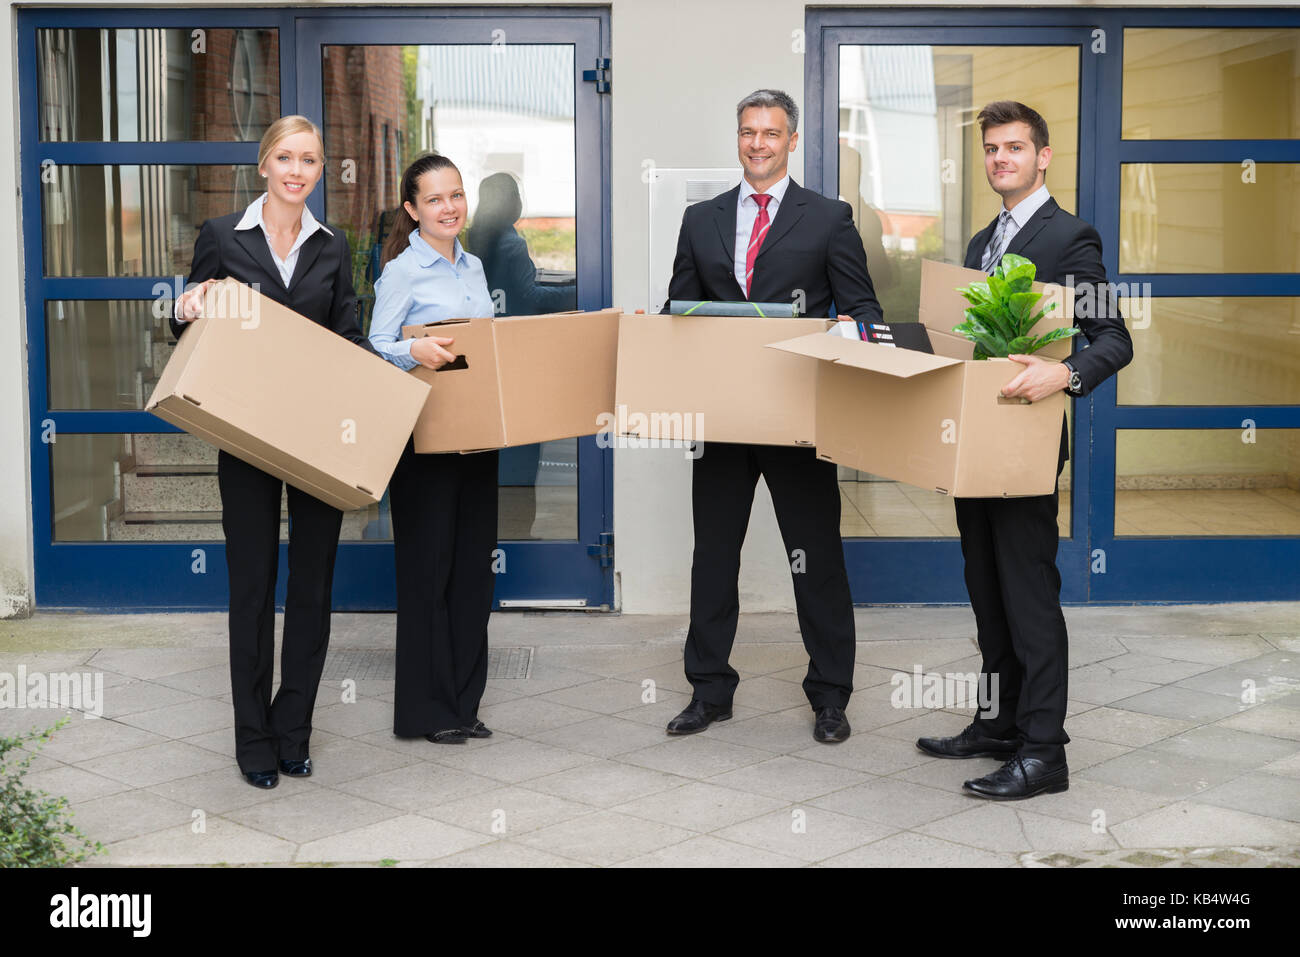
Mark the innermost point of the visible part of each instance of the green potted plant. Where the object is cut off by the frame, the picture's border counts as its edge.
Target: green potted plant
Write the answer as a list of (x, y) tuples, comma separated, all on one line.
[(1001, 312)]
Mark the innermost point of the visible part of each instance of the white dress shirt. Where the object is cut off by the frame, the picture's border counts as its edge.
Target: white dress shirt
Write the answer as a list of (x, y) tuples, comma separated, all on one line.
[(747, 212), (252, 219), (1020, 215)]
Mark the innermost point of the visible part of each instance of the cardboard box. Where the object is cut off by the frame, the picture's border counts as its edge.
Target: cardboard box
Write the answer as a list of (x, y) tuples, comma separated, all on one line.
[(711, 379), (518, 380), (936, 421), (289, 396)]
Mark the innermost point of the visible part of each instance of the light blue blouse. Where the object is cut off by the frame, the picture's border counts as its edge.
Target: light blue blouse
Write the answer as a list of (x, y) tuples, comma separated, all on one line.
[(420, 286)]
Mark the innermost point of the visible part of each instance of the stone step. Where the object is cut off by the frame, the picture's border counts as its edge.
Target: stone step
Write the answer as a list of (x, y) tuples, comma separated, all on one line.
[(171, 488), (205, 526), (161, 351), (172, 448)]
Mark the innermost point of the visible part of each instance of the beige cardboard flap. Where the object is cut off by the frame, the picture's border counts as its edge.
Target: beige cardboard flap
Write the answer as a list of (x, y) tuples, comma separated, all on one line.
[(901, 363)]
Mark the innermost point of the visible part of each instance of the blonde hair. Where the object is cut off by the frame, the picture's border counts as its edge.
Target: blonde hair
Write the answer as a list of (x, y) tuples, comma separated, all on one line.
[(287, 126)]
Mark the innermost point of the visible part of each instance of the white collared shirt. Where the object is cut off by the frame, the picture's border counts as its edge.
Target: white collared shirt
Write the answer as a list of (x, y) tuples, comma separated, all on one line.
[(1020, 215), (747, 212), (252, 218)]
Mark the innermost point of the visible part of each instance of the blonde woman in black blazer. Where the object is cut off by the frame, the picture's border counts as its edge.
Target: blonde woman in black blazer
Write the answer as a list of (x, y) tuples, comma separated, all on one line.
[(277, 246)]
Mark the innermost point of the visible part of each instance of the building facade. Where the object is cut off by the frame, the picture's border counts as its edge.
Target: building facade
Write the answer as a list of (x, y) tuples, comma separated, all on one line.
[(1175, 130)]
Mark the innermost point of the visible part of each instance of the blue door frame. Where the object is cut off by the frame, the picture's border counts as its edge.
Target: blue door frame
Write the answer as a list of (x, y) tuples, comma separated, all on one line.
[(162, 576), (1095, 565)]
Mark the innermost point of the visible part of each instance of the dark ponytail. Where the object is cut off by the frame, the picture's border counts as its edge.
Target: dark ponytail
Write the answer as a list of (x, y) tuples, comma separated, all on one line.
[(399, 234)]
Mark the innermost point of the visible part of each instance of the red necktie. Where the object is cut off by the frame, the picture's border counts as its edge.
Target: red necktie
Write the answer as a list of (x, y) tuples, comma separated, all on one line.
[(761, 224)]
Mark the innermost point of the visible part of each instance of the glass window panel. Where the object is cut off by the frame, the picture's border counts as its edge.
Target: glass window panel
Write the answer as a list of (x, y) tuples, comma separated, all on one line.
[(1209, 218), (911, 166), (911, 157), (1227, 351), (505, 116), (1207, 482), (1211, 84), (157, 487), (105, 353), (153, 84), (134, 488), (135, 220)]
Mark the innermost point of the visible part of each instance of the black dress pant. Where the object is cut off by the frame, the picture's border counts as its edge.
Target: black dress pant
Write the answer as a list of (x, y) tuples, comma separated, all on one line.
[(268, 730), (1009, 546), (806, 496), (444, 532)]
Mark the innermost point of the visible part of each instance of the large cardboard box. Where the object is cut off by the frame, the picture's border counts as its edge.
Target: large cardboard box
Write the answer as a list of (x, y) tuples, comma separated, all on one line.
[(937, 421), (711, 379), (518, 380), (289, 396)]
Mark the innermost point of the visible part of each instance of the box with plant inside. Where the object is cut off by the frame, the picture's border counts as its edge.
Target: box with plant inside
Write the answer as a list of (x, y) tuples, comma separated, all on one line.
[(1000, 318), (938, 421)]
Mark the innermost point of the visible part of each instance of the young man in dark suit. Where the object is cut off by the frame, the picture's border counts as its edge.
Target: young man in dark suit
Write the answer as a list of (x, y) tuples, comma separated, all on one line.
[(770, 240), (1009, 544)]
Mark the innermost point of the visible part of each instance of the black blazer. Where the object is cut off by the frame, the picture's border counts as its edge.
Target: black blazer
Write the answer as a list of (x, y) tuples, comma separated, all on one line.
[(1067, 251), (812, 246), (320, 287)]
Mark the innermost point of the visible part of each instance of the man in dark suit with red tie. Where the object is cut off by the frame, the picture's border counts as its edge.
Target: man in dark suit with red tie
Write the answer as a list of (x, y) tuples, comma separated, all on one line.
[(1009, 544), (770, 240)]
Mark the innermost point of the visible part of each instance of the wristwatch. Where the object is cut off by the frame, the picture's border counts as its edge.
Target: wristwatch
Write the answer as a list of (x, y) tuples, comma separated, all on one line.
[(1075, 384)]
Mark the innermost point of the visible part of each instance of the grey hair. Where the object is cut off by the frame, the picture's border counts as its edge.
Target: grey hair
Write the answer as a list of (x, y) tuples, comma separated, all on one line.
[(770, 98)]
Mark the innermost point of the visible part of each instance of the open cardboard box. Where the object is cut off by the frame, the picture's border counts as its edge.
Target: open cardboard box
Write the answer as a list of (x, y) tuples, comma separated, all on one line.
[(937, 421), (518, 380), (283, 393), (710, 379)]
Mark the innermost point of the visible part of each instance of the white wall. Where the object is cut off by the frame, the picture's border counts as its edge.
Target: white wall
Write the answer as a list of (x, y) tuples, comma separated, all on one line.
[(679, 66)]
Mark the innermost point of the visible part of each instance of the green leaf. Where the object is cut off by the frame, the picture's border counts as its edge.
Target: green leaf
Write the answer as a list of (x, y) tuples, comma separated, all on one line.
[(1020, 278), (1012, 261), (1055, 335), (1021, 305)]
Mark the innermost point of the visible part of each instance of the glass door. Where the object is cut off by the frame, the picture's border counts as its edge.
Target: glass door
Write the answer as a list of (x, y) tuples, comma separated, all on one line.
[(899, 142), (138, 125), (1198, 479), (505, 99)]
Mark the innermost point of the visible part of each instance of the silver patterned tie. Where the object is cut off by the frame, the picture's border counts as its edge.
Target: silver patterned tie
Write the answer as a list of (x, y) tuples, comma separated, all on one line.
[(993, 252)]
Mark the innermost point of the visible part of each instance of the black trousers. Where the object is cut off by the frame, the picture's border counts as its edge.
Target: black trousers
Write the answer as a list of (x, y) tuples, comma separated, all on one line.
[(444, 532), (806, 496), (268, 730), (1009, 546)]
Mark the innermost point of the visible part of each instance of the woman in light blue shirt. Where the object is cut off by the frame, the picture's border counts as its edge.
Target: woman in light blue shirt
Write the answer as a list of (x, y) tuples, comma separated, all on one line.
[(444, 504)]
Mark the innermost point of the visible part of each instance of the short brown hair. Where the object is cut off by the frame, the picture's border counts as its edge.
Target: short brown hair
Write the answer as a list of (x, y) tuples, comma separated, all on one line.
[(1002, 112)]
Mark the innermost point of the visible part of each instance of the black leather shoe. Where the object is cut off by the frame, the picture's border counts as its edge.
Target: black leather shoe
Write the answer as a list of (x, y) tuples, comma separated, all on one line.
[(831, 726), (449, 736), (477, 730), (1021, 778), (262, 779), (296, 769), (969, 744), (697, 716)]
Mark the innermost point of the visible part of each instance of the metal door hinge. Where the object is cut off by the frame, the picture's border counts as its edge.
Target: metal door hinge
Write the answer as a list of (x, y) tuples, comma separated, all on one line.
[(600, 76), (604, 551)]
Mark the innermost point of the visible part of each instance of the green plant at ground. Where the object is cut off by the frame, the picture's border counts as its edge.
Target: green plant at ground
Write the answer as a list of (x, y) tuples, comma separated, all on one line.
[(34, 828), (1001, 312)]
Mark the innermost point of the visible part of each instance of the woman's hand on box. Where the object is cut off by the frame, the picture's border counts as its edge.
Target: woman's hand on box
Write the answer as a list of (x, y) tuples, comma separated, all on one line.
[(190, 305), (429, 351)]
